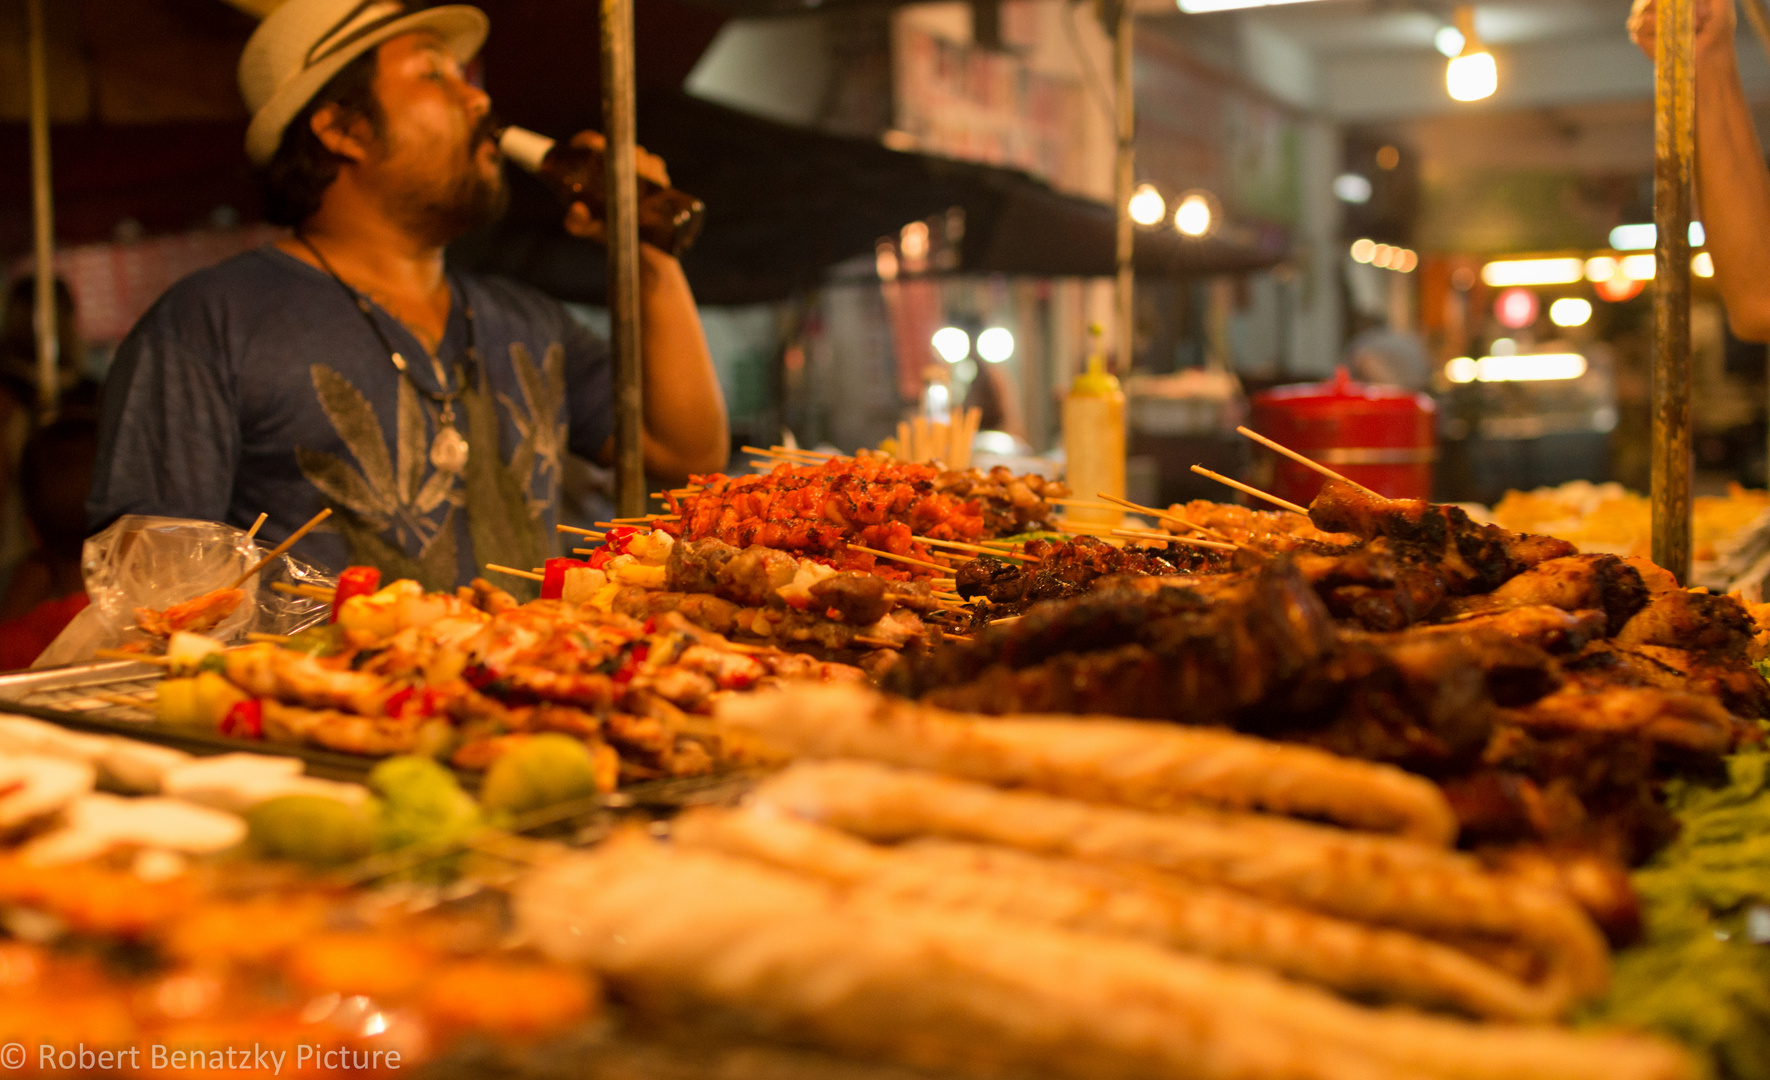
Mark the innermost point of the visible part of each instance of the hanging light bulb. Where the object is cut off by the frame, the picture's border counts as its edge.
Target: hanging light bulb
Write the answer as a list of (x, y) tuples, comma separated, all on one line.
[(1471, 74), (1147, 206)]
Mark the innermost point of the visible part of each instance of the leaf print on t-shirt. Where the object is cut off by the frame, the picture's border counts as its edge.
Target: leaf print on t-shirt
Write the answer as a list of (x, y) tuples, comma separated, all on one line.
[(398, 493)]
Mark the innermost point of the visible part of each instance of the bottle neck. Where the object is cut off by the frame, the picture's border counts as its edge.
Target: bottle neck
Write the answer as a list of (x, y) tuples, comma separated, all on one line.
[(524, 147)]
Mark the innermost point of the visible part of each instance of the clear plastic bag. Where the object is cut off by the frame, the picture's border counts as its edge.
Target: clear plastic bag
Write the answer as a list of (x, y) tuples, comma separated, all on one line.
[(156, 562)]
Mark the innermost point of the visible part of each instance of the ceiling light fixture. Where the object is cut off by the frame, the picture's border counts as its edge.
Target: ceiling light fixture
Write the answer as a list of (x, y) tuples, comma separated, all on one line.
[(1642, 237), (952, 343), (1471, 74), (1509, 272), (1196, 215), (1147, 207), (1352, 188), (1534, 367)]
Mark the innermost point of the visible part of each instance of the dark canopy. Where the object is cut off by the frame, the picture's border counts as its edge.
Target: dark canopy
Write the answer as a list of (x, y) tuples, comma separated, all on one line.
[(785, 204)]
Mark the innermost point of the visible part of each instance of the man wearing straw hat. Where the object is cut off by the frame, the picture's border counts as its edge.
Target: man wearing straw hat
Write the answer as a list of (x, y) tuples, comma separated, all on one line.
[(346, 366)]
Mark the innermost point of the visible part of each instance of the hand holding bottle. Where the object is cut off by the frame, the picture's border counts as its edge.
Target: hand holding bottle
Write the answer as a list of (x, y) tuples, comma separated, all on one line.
[(581, 220), (669, 220)]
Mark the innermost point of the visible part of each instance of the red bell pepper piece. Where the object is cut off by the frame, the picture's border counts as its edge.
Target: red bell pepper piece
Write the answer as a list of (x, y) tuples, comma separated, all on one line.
[(553, 576), (620, 538), (354, 581), (245, 720)]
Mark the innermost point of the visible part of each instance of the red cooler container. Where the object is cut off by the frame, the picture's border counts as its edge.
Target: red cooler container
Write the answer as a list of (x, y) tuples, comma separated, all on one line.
[(1383, 437)]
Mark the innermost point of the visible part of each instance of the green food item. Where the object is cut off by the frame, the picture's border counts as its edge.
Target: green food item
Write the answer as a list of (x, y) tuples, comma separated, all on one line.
[(311, 829), (544, 770), (1703, 974), (327, 639), (422, 804)]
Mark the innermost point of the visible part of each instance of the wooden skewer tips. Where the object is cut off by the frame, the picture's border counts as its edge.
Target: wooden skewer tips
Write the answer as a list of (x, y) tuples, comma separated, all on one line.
[(514, 572), (1254, 491), (1278, 448), (283, 547)]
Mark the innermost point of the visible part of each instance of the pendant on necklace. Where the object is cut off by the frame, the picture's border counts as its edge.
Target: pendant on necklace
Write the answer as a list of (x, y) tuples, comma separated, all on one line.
[(449, 451)]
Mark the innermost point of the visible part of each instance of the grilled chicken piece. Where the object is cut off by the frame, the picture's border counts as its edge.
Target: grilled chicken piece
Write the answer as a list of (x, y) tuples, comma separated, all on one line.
[(858, 598), (1668, 718), (1196, 654), (1551, 629), (1573, 583), (1698, 621), (1734, 683), (1476, 558), (490, 598), (197, 615), (1378, 585), (694, 565)]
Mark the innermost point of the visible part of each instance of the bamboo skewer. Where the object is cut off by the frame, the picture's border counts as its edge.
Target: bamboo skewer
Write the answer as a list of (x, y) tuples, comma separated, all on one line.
[(1163, 515), (1254, 491), (311, 592), (125, 654), (283, 547), (646, 520), (122, 700), (256, 525), (575, 531), (1170, 538), (877, 643), (1303, 461), (900, 558), (514, 572), (997, 552), (274, 639)]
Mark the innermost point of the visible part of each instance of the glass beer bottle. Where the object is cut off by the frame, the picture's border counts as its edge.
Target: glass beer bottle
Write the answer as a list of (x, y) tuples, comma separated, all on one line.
[(669, 220)]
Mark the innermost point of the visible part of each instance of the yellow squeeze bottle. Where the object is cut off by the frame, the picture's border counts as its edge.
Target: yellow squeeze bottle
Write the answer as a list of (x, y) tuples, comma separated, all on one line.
[(1094, 441)]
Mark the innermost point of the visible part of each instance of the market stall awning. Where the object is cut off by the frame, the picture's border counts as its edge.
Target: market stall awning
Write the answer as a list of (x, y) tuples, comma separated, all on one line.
[(785, 204)]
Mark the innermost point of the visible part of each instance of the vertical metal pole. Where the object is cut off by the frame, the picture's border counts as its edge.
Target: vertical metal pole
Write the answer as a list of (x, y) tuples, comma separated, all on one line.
[(43, 210), (623, 254), (1674, 150), (1673, 174), (1124, 175)]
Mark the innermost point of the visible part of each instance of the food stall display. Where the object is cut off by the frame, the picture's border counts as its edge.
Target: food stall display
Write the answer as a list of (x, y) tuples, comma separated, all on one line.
[(1371, 790)]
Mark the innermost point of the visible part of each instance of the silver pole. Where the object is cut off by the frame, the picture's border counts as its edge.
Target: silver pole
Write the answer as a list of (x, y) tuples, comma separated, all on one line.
[(1124, 176), (43, 212), (623, 253), (1674, 169)]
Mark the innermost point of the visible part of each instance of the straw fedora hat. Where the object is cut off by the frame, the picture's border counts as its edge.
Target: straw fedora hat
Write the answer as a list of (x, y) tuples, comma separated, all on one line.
[(303, 43)]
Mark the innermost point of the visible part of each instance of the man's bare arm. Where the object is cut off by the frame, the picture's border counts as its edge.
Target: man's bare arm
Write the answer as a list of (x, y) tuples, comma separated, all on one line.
[(1732, 183), (685, 424)]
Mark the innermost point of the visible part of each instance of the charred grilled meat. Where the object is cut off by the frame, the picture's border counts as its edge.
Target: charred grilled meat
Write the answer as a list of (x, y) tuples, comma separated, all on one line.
[(1208, 652), (1574, 583), (1065, 569), (1475, 558), (1697, 621)]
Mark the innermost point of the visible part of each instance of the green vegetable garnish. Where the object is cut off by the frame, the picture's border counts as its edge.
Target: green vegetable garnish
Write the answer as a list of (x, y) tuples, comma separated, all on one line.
[(422, 803), (544, 770), (1703, 974), (311, 829)]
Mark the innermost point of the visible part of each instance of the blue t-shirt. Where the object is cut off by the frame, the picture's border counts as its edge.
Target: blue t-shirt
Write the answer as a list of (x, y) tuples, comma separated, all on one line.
[(257, 386)]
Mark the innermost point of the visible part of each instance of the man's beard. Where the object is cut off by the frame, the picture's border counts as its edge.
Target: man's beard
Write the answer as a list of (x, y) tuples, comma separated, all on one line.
[(449, 207)]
